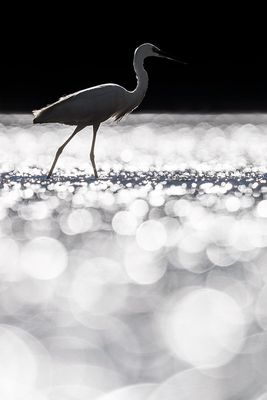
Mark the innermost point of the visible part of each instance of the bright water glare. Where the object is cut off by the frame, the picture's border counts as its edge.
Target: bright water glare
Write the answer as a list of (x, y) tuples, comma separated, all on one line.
[(148, 284)]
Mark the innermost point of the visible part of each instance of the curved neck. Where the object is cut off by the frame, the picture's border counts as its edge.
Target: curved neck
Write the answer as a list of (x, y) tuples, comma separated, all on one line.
[(141, 76)]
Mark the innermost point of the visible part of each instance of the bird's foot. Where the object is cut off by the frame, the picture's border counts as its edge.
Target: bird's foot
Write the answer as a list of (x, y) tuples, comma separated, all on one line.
[(49, 175), (95, 172)]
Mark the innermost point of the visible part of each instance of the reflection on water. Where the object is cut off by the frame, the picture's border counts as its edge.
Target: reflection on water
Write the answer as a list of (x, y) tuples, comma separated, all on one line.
[(150, 283)]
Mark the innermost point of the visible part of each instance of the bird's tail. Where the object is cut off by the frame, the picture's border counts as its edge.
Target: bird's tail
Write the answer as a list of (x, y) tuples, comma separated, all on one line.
[(36, 114), (41, 116)]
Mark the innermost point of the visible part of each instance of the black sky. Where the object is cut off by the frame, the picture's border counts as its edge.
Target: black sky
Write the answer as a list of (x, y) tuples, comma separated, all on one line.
[(45, 58)]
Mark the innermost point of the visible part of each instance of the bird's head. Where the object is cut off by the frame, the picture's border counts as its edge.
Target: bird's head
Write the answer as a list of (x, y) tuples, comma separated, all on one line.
[(150, 50)]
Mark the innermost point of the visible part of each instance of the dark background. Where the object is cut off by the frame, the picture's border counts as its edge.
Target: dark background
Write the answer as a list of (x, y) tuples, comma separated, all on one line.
[(48, 52)]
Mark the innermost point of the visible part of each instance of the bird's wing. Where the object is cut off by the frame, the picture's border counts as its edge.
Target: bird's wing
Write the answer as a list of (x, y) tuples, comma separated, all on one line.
[(87, 106)]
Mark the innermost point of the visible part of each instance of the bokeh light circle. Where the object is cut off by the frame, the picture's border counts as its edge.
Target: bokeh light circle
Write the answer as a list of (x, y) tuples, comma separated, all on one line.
[(205, 328), (44, 258)]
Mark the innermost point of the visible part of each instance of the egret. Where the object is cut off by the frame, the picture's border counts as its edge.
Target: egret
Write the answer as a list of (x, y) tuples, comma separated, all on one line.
[(95, 105)]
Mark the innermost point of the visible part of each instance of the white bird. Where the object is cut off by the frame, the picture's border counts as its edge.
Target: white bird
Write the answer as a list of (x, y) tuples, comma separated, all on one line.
[(95, 105)]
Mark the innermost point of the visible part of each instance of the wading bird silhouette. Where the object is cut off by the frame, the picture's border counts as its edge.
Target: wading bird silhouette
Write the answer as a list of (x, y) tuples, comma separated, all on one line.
[(95, 105)]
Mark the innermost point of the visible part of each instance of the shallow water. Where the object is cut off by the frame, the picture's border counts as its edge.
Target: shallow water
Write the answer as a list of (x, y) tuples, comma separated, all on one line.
[(149, 283)]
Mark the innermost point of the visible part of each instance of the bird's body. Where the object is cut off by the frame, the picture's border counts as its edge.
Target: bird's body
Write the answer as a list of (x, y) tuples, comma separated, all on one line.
[(96, 104), (99, 103)]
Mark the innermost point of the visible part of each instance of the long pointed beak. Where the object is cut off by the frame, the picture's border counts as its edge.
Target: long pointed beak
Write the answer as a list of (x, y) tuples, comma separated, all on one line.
[(162, 54)]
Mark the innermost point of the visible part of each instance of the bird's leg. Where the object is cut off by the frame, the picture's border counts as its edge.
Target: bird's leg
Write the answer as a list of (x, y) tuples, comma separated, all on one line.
[(60, 149), (92, 152)]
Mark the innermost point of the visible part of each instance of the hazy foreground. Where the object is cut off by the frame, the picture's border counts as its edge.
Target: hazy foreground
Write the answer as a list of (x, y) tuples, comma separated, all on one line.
[(149, 284)]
